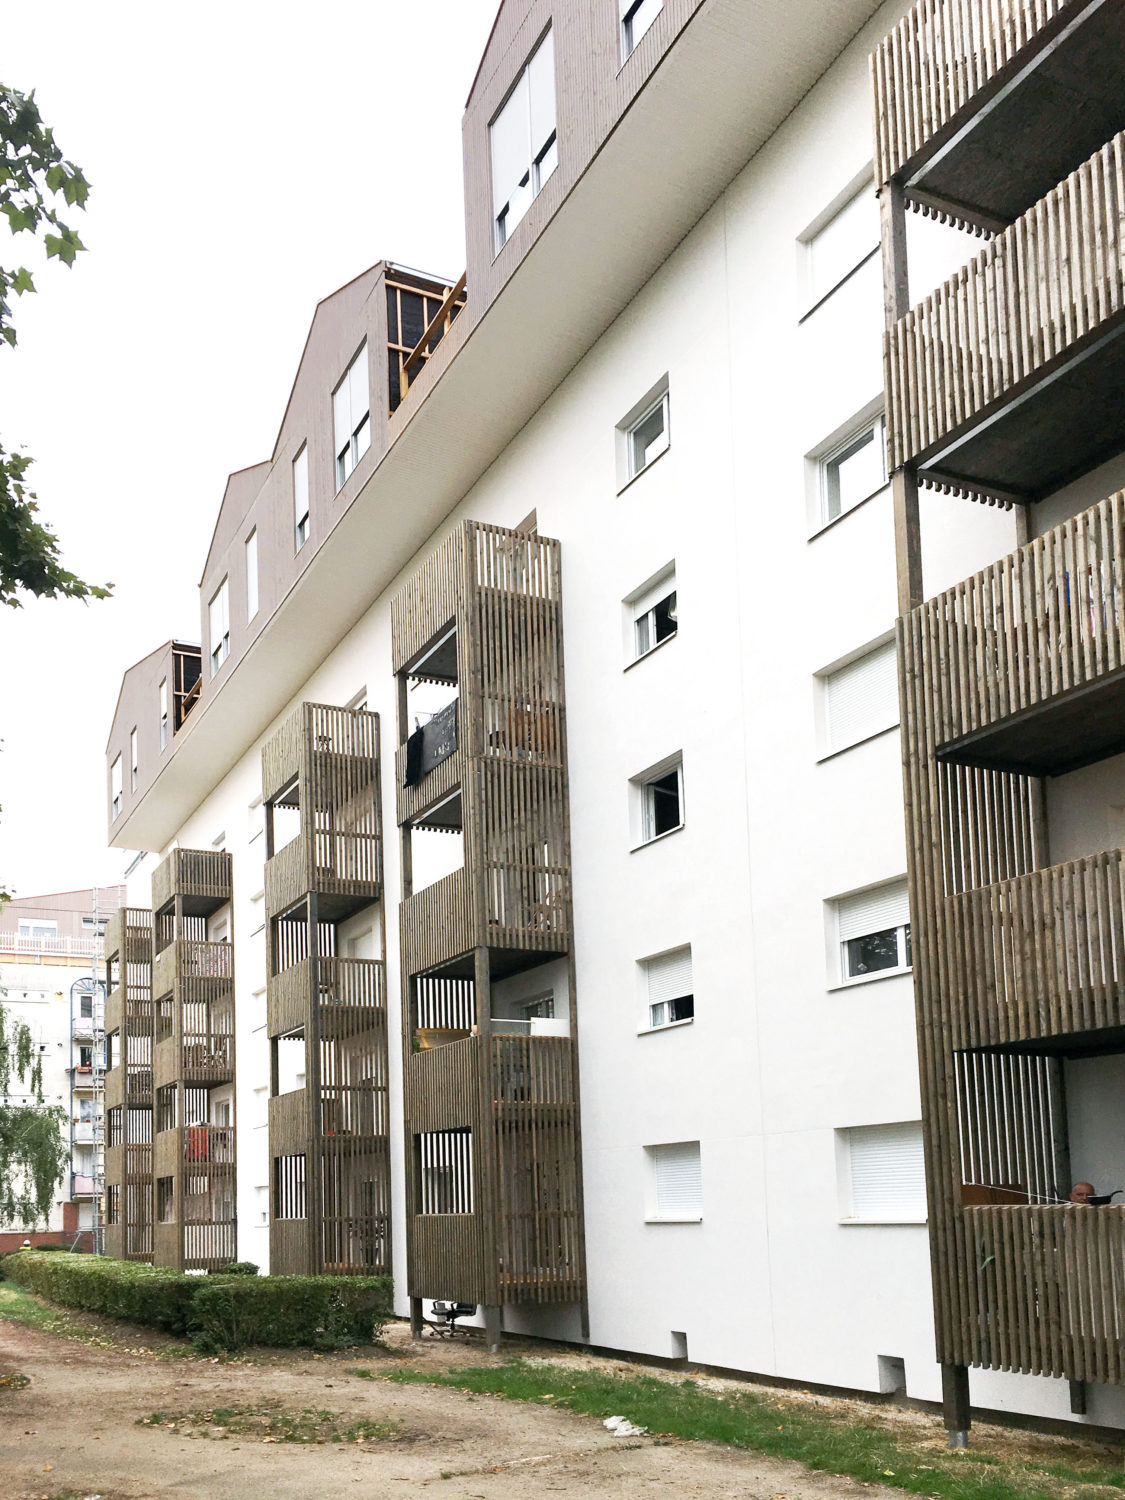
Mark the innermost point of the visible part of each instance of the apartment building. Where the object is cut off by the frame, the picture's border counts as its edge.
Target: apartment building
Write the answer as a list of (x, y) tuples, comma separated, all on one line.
[(529, 904), (52, 980)]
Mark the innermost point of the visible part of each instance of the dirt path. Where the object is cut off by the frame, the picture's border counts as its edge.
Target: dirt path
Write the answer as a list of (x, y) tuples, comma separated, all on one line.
[(79, 1416)]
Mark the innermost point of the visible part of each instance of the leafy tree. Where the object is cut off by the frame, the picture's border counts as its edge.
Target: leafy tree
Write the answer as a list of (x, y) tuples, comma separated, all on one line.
[(34, 1152), (33, 175)]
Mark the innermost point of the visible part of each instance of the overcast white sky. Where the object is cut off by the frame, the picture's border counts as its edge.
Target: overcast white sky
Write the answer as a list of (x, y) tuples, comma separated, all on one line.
[(246, 159)]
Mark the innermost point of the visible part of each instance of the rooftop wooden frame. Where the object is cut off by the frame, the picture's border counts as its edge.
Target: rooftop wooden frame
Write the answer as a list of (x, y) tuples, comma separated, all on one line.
[(438, 326), (428, 309)]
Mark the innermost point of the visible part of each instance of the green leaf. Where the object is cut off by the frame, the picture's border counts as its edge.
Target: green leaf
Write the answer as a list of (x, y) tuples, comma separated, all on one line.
[(22, 282)]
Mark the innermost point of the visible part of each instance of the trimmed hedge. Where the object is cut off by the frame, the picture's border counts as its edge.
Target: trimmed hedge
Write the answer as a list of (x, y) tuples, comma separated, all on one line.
[(218, 1311), (307, 1312)]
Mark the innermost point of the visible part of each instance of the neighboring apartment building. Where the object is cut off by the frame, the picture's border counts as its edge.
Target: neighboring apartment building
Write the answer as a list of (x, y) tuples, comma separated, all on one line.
[(52, 979), (587, 996)]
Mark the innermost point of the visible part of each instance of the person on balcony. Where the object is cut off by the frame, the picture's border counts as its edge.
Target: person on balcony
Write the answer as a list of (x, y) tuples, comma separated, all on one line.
[(1081, 1195)]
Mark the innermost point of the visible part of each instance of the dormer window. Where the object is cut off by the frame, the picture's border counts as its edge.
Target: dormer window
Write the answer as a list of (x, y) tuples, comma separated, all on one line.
[(219, 619), (351, 417), (523, 141)]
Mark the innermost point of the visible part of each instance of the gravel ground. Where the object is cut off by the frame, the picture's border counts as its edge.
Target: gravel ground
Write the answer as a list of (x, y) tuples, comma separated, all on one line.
[(72, 1433)]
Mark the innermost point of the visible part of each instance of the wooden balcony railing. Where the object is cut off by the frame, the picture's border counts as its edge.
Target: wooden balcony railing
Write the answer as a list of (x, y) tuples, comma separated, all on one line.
[(201, 876), (1047, 1291), (1052, 279), (1043, 622), (439, 325), (1042, 955), (937, 59)]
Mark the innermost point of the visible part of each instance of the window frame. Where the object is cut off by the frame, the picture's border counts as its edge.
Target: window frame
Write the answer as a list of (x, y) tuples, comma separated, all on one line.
[(347, 457), (654, 1214), (647, 968), (845, 1136), (542, 156), (842, 979), (629, 40), (219, 649), (813, 294), (250, 554), (641, 605), (162, 692), (644, 806), (829, 747), (875, 424), (300, 470), (134, 759), (116, 794), (662, 404)]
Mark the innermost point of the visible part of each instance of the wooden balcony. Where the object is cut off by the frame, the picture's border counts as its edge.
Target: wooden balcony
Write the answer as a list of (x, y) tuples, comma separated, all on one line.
[(981, 106), (1040, 959), (338, 984), (523, 1241), (200, 877), (323, 765), (1047, 1291), (1022, 666), (1009, 380)]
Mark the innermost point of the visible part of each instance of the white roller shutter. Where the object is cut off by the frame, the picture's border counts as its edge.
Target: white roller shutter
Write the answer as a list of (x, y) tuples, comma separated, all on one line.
[(510, 145), (679, 1187), (541, 85), (871, 911), (888, 1177), (862, 698), (669, 977)]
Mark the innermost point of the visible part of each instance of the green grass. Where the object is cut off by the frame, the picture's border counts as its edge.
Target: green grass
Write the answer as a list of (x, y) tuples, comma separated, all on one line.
[(269, 1424), (836, 1442), (18, 1306)]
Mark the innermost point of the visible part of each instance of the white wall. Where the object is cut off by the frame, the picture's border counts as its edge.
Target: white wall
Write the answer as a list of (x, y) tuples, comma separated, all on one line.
[(779, 1056)]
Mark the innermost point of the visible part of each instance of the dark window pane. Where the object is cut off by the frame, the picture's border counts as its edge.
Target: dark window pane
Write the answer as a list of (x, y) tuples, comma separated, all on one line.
[(664, 618), (682, 1009), (867, 955), (665, 794)]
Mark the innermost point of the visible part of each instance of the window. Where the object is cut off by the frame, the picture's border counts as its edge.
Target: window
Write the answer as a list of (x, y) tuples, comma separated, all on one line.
[(115, 786), (133, 766), (38, 927), (861, 698), (882, 1173), (841, 243), (660, 799), (676, 1187), (219, 618), (873, 930), (854, 471), (301, 496), (86, 1006), (648, 436), (252, 575), (522, 141), (668, 988), (351, 420), (163, 712), (654, 617), (636, 17)]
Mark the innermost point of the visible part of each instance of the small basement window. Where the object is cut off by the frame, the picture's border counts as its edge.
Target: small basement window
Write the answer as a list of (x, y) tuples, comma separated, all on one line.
[(669, 991), (873, 931)]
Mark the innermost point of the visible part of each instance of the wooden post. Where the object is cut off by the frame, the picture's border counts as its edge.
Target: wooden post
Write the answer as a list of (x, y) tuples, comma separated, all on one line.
[(314, 1113), (904, 481), (493, 1328), (955, 1404), (416, 1317)]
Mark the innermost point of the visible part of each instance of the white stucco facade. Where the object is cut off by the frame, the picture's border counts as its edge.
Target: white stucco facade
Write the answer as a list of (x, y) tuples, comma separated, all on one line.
[(777, 1277)]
